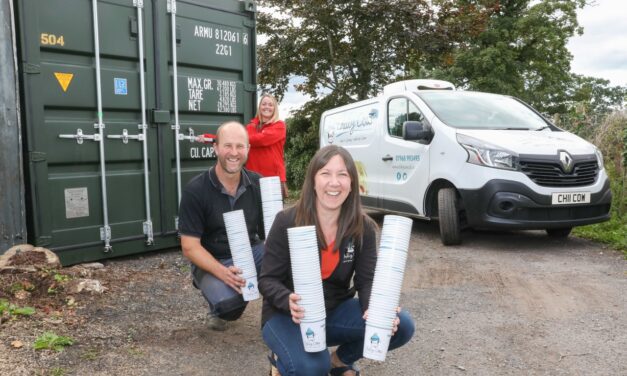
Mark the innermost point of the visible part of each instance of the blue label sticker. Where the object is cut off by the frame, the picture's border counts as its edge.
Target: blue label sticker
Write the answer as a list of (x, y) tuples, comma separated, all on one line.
[(120, 85)]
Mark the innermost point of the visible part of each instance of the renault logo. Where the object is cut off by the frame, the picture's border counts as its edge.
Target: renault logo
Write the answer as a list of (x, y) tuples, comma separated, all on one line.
[(566, 161)]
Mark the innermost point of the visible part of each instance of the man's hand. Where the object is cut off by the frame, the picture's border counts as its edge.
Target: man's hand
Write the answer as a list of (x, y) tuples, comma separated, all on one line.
[(231, 277), (196, 253)]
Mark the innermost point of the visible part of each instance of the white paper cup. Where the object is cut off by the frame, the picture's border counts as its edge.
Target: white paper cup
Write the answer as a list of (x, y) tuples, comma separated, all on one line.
[(314, 335), (250, 291), (376, 342)]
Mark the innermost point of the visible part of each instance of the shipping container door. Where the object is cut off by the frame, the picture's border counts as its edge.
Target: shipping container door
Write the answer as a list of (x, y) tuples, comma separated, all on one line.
[(215, 82), (105, 161), (83, 110)]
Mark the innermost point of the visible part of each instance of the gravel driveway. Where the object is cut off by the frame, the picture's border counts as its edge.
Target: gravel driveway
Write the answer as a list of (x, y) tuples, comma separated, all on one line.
[(516, 303)]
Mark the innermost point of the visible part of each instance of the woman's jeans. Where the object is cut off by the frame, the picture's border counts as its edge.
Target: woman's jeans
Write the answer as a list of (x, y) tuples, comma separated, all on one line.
[(224, 302), (345, 328)]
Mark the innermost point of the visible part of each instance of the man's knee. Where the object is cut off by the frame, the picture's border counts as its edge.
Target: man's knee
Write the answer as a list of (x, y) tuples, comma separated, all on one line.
[(406, 329), (230, 309)]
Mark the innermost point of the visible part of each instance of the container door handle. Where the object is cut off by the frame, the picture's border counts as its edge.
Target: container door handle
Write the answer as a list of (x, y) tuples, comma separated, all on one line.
[(387, 157), (125, 136), (80, 137)]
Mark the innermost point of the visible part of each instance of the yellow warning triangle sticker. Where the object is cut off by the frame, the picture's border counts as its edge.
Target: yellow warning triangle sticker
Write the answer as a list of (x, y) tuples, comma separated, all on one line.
[(64, 79)]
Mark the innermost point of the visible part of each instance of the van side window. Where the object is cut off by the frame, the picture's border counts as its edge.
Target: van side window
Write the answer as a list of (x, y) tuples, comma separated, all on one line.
[(399, 111)]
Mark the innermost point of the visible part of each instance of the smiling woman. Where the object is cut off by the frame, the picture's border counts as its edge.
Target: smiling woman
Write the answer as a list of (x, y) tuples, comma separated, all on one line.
[(347, 250), (267, 136)]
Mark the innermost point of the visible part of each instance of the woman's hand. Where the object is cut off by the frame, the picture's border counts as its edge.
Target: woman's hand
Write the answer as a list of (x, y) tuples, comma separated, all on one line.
[(297, 311), (395, 323)]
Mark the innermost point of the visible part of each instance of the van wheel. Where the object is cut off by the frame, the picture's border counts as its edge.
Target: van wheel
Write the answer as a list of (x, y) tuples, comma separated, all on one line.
[(558, 232), (448, 213)]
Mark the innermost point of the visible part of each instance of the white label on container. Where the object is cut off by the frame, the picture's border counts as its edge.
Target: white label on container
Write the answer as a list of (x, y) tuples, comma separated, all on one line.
[(196, 87), (76, 203), (227, 96)]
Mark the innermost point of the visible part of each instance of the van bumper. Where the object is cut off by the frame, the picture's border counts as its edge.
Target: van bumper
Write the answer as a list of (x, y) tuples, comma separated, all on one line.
[(505, 204)]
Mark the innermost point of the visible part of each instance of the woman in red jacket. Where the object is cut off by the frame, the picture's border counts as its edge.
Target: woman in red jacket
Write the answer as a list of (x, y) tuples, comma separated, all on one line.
[(266, 134)]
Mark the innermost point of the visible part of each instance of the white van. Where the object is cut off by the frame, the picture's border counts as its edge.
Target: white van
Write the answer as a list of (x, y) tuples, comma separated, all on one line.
[(469, 159)]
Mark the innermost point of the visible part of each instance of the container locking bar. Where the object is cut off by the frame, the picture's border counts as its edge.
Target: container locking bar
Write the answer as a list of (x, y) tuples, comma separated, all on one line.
[(143, 137), (105, 231), (80, 137), (171, 7)]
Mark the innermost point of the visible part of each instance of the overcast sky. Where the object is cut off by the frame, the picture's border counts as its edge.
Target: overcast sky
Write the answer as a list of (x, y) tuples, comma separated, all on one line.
[(602, 49), (600, 52)]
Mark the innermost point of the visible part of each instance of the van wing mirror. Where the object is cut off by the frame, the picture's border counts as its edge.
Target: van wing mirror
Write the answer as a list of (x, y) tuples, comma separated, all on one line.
[(416, 130)]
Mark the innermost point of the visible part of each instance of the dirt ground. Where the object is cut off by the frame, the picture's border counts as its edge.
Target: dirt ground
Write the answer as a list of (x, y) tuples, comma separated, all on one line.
[(516, 303)]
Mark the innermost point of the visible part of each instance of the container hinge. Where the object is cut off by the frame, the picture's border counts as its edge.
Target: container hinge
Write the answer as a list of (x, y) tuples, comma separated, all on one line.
[(248, 6), (125, 136), (250, 87), (80, 137), (191, 136), (105, 235), (148, 232), (138, 3), (176, 223), (31, 68), (175, 127), (172, 6), (37, 156), (133, 27)]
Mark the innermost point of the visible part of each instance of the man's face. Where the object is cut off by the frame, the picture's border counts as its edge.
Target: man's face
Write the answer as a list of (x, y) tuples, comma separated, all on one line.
[(232, 148)]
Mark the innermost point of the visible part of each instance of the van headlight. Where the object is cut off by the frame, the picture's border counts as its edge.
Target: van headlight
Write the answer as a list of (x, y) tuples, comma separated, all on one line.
[(599, 158), (485, 154)]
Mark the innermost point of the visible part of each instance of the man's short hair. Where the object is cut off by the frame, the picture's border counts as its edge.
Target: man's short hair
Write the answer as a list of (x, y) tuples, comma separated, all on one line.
[(226, 123)]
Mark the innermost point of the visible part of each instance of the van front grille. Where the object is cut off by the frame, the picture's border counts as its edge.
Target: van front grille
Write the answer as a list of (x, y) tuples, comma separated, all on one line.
[(550, 174)]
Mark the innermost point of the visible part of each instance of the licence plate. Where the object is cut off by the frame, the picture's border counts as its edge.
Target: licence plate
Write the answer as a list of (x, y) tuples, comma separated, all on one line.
[(571, 198)]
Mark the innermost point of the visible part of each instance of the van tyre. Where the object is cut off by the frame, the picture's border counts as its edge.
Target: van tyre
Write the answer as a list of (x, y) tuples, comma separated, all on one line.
[(558, 232), (448, 213)]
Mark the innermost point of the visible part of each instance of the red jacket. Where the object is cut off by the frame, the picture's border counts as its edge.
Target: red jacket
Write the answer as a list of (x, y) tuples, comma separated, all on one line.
[(266, 155)]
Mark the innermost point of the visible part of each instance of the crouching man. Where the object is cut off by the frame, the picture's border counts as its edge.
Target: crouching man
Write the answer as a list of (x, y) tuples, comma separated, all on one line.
[(225, 187)]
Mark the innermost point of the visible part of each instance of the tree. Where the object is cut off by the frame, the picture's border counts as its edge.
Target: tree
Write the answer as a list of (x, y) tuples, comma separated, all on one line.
[(522, 52), (353, 47), (347, 50)]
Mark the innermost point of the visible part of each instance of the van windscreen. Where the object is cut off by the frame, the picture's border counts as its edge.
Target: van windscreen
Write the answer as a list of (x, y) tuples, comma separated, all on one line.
[(474, 110)]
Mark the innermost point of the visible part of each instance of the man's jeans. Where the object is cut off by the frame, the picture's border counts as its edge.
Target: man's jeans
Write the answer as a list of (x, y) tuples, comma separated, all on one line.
[(345, 328), (224, 302)]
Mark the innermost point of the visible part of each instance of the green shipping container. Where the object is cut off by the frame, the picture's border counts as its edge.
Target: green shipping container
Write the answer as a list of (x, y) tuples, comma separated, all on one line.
[(110, 111)]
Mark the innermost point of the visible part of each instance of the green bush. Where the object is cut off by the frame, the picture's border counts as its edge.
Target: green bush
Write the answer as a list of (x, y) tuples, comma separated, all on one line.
[(609, 134)]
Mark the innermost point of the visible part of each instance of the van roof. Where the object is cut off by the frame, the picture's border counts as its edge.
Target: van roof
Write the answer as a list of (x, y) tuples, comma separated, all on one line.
[(418, 84)]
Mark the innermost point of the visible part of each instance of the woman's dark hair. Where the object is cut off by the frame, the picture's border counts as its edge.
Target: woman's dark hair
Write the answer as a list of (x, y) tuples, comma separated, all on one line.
[(352, 217)]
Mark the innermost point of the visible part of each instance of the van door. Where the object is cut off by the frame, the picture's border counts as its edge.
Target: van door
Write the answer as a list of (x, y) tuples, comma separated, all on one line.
[(405, 173)]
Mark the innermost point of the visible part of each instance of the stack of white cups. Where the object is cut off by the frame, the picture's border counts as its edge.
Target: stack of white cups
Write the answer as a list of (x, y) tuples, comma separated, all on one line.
[(386, 287), (307, 278), (241, 251), (271, 200)]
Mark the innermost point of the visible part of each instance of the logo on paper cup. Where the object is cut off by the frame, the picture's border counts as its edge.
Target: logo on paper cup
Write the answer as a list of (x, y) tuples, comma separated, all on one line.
[(375, 340), (251, 285), (310, 334)]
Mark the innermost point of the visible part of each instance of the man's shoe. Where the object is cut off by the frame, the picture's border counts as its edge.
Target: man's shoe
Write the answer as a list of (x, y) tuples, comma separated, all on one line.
[(216, 323)]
